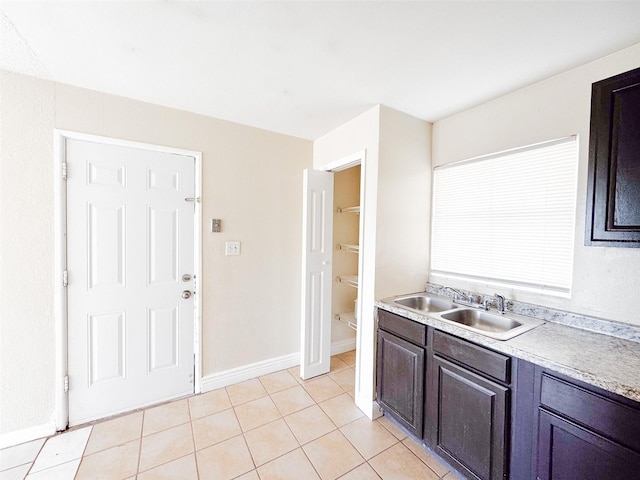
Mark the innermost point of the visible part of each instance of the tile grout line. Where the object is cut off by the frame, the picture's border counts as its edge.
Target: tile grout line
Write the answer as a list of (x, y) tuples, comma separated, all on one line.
[(29, 472), (411, 451), (82, 454), (253, 461), (310, 462), (144, 414), (159, 465), (193, 439), (282, 416), (160, 431), (300, 446), (33, 462), (423, 462), (233, 409)]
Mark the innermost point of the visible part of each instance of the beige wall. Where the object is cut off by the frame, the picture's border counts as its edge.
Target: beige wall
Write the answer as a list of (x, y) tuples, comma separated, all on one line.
[(605, 280), (357, 135), (252, 180), (27, 350), (404, 204), (397, 174), (397, 193)]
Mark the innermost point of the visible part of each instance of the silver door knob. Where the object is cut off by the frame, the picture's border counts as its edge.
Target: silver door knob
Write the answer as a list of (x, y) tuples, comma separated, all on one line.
[(186, 294)]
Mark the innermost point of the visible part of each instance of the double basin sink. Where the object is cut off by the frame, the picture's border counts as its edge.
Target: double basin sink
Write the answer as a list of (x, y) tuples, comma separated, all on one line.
[(494, 325)]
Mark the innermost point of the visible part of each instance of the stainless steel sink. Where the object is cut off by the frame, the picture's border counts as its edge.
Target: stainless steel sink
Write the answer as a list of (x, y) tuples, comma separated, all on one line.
[(425, 302), (498, 326), (494, 325), (482, 320)]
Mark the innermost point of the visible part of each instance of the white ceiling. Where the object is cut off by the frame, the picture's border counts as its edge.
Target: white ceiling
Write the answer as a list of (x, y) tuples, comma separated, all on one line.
[(304, 68)]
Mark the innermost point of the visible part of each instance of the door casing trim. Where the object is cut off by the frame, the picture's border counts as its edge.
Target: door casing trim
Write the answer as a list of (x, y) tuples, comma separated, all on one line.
[(366, 332), (60, 137)]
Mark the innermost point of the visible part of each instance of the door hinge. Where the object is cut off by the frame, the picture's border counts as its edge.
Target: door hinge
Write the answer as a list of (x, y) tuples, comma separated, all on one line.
[(66, 384), (64, 170), (65, 278)]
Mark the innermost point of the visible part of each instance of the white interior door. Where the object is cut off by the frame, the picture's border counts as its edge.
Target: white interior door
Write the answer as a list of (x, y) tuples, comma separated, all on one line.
[(317, 252), (130, 241)]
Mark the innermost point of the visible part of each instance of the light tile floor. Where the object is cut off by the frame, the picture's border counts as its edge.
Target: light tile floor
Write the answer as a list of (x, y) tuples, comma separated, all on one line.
[(273, 427)]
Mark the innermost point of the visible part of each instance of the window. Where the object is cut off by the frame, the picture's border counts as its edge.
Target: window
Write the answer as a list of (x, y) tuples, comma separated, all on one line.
[(508, 219)]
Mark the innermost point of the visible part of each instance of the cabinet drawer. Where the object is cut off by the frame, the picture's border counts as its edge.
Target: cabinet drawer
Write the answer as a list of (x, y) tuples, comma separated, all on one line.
[(485, 361), (600, 414), (402, 327)]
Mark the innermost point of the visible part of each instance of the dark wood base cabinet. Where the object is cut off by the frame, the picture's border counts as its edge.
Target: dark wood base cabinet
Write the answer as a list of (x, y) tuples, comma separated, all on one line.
[(401, 369), (494, 417), (584, 432), (401, 380), (468, 421), (451, 393), (568, 451), (467, 409)]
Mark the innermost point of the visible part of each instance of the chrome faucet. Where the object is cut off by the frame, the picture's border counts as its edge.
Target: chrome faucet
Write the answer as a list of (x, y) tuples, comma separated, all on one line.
[(462, 298), (458, 295), (500, 303)]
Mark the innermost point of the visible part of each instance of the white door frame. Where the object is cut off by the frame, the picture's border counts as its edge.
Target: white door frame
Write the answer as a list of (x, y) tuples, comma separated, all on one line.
[(61, 414), (365, 334)]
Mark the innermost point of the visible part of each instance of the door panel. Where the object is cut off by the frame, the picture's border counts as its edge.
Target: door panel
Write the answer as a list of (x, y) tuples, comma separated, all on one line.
[(130, 238), (400, 380), (163, 245), (163, 338), (567, 451), (470, 420), (106, 347), (106, 243), (316, 276)]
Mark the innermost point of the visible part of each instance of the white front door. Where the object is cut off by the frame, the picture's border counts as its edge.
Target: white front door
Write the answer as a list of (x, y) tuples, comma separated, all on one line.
[(317, 253), (130, 241)]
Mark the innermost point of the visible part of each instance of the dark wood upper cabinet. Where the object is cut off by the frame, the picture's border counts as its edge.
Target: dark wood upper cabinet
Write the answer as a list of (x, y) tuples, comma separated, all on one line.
[(613, 195)]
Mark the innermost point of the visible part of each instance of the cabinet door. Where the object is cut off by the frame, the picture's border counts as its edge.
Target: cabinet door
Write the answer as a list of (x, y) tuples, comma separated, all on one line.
[(613, 197), (567, 451), (401, 380), (467, 420)]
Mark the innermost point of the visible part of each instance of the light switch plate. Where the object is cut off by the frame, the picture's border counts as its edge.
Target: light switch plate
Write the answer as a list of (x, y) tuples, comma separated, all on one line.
[(232, 248)]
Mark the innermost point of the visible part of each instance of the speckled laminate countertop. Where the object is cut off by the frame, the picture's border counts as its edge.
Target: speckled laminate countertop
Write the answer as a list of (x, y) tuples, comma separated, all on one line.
[(601, 360)]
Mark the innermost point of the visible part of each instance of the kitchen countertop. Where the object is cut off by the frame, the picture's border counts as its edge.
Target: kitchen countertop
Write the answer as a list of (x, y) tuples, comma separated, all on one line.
[(604, 361)]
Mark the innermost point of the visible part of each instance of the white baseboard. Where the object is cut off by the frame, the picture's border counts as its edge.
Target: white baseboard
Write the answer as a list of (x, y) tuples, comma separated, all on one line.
[(247, 372), (343, 346), (265, 367), (26, 435), (210, 382)]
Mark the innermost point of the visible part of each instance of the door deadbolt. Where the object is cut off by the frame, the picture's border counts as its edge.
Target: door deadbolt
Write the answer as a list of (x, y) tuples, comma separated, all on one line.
[(186, 294), (186, 277)]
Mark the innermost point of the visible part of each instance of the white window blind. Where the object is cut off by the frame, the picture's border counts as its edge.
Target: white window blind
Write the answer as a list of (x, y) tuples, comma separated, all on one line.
[(508, 218)]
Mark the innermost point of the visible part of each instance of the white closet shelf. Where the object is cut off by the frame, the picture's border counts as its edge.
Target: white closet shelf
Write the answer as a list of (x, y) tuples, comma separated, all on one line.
[(349, 319), (349, 248), (351, 280), (355, 209)]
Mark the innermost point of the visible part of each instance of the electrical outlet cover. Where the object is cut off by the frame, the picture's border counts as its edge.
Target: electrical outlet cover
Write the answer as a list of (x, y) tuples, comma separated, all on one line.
[(232, 248)]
